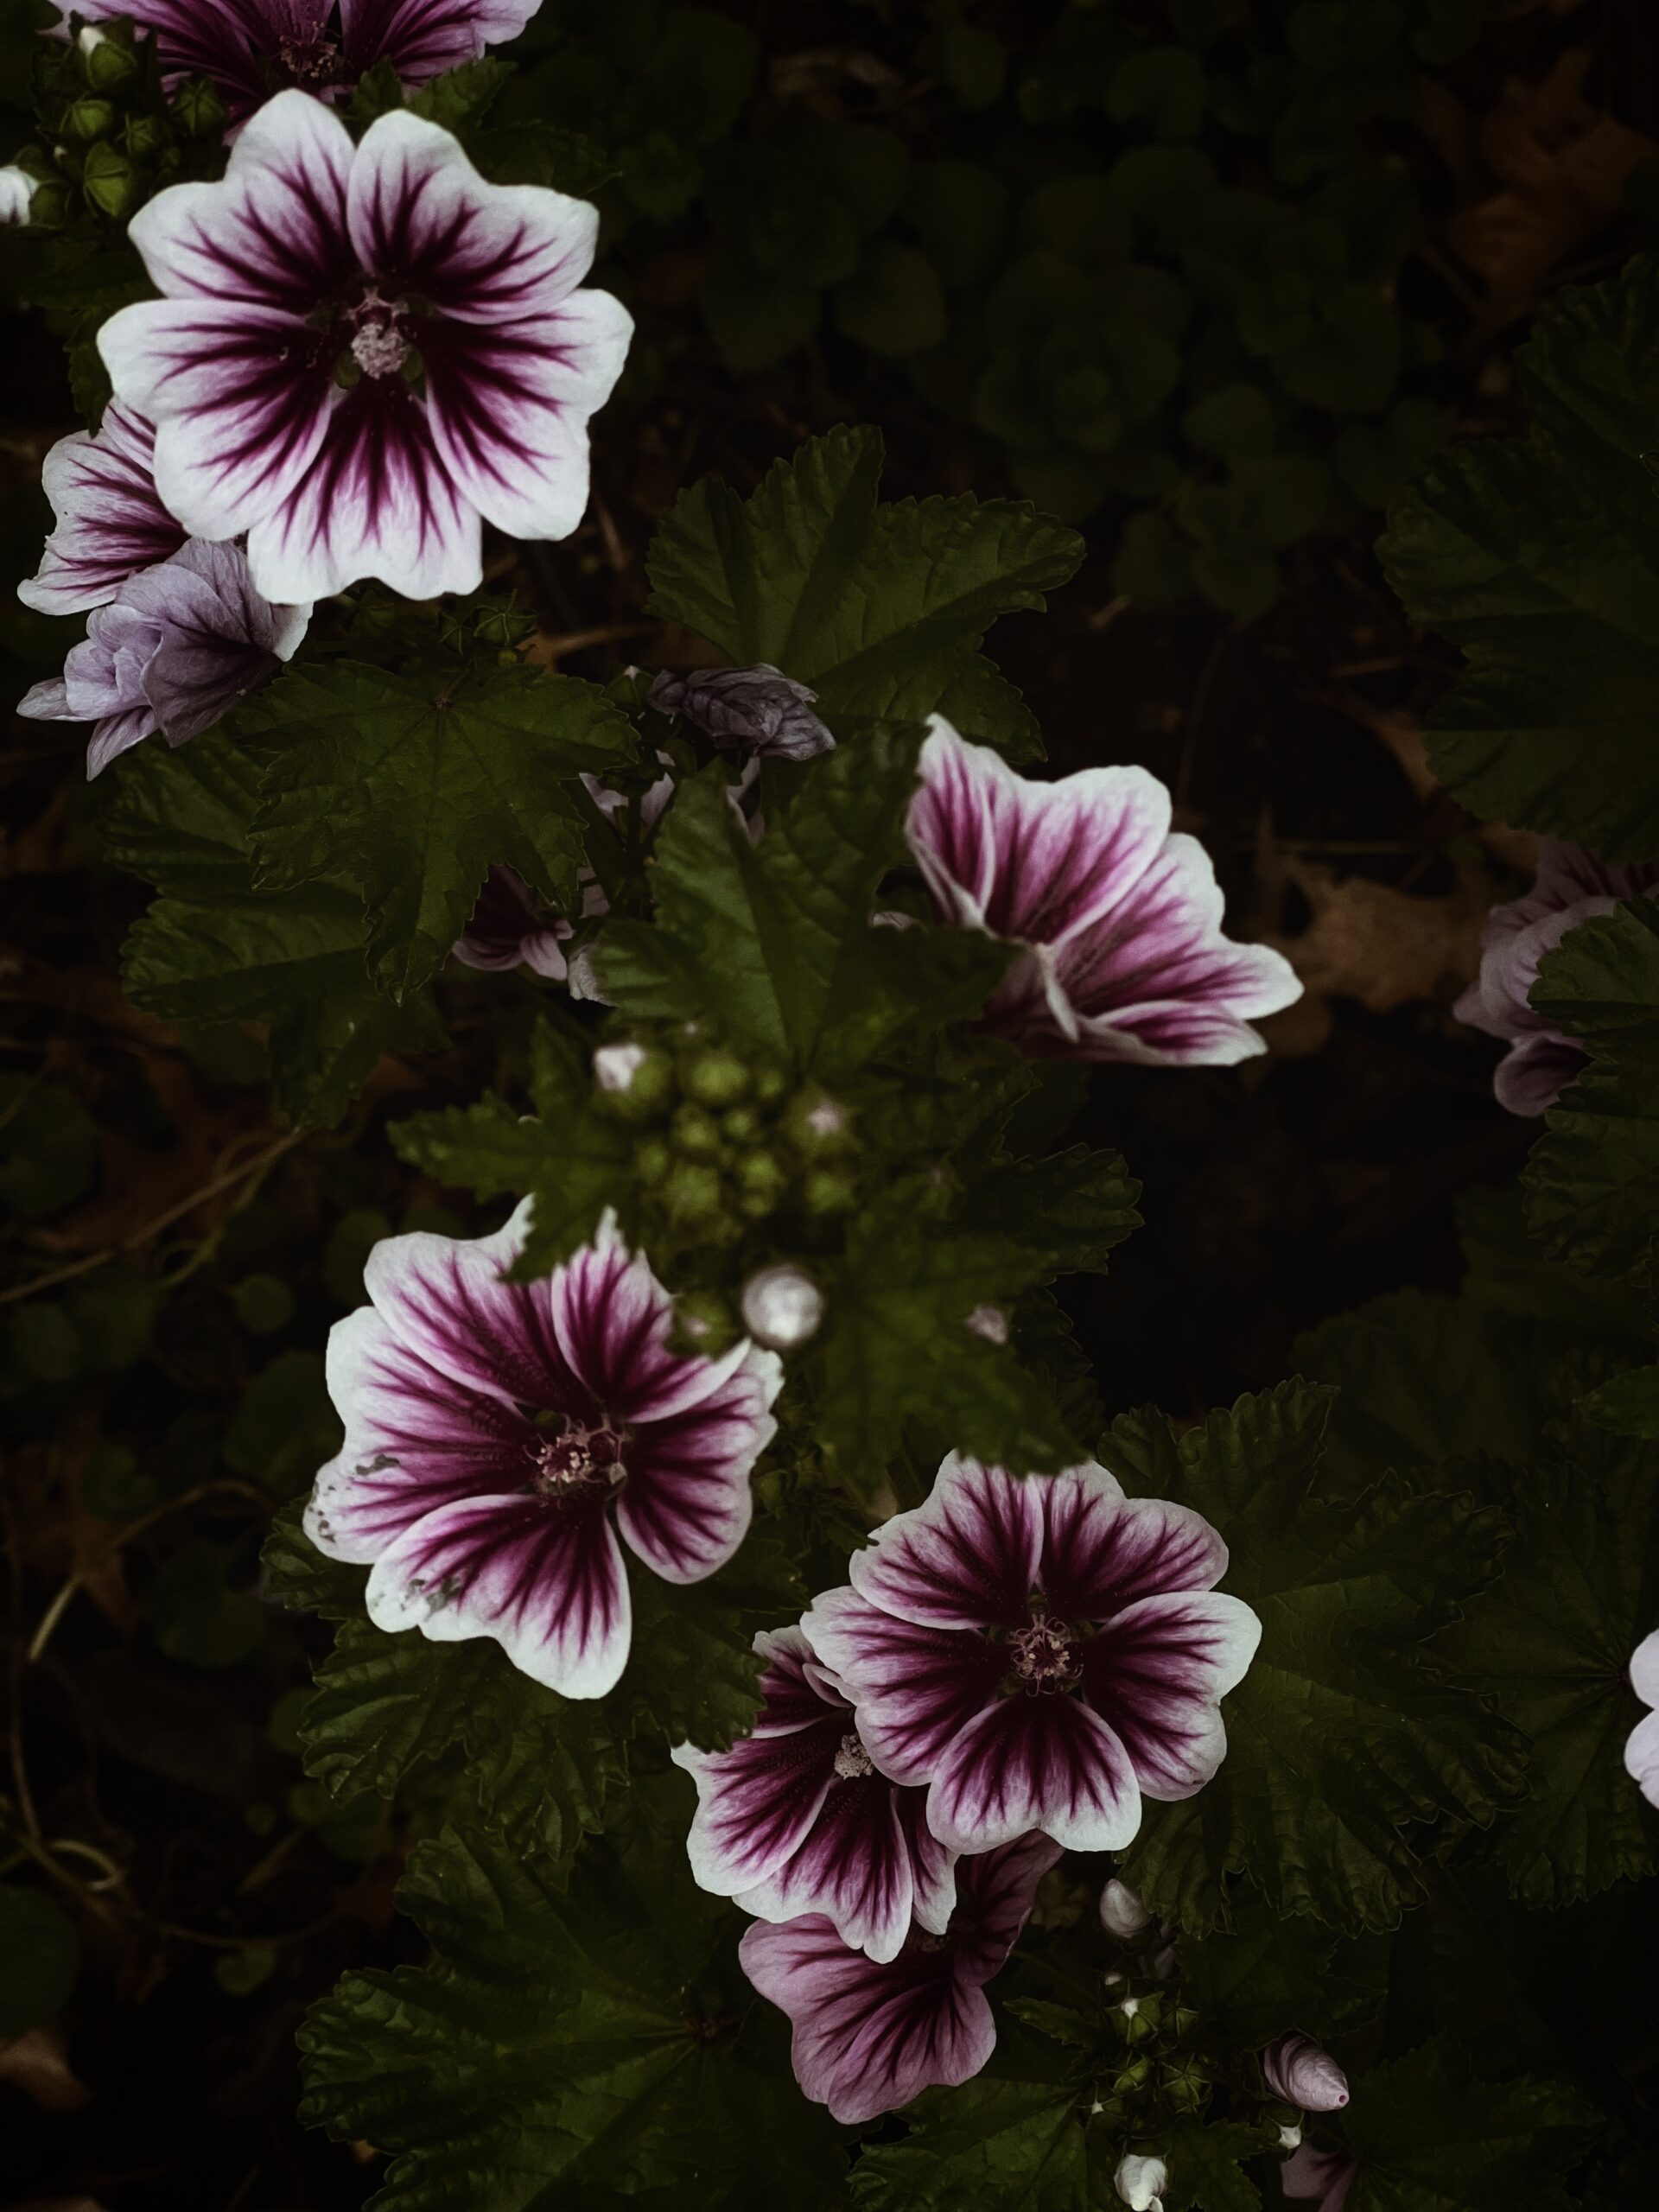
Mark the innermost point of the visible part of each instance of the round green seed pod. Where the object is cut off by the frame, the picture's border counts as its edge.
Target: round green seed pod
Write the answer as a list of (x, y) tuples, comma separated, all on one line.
[(653, 1160), (694, 1192), (740, 1125), (770, 1086), (817, 1125), (829, 1190), (635, 1082), (716, 1078), (88, 119), (695, 1133)]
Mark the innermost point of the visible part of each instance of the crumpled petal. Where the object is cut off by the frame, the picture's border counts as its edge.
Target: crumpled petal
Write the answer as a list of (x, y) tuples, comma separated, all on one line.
[(110, 521)]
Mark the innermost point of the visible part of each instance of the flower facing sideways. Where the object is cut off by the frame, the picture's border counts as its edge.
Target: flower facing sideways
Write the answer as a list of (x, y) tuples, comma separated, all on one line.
[(869, 2037), (507, 929), (1040, 1652), (495, 1430), (110, 522), (1641, 1749), (1117, 919), (794, 1819), (364, 352)]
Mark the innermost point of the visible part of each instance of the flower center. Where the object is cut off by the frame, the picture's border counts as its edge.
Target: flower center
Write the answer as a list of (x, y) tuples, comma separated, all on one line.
[(1044, 1656), (309, 58), (852, 1760), (379, 340), (575, 1459)]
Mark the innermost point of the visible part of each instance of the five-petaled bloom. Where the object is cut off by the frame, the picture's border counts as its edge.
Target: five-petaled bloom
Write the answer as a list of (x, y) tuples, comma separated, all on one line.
[(110, 522), (246, 47), (794, 1819), (365, 352), (493, 1430), (1117, 918), (868, 2037), (1043, 1652), (1572, 886), (1642, 1747)]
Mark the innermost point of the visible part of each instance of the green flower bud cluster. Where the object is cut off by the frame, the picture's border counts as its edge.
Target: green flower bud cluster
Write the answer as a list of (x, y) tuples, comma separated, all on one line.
[(1159, 2074), (111, 136), (724, 1142)]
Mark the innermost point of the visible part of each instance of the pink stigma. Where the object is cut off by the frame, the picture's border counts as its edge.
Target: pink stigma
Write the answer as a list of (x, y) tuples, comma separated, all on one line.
[(1045, 1655)]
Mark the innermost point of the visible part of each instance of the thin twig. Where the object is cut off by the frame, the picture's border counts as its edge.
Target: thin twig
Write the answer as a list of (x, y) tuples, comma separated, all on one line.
[(54, 1611)]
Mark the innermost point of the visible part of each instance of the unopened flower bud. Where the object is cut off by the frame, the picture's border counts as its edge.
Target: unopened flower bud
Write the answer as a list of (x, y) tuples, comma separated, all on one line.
[(693, 1192), (109, 181), (782, 1307), (990, 1322), (1161, 1964), (88, 119), (146, 137), (1122, 1913), (818, 1124), (636, 1083), (200, 110), (16, 190), (105, 61), (1141, 2182), (695, 1132), (1297, 2069), (616, 1065), (756, 708), (716, 1078), (1289, 2138), (829, 1190)]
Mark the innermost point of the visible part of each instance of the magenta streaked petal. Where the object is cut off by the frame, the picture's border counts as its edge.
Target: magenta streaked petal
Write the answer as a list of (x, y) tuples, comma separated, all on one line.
[(1155, 1671), (793, 1690), (1029, 1762), (1326, 2175), (966, 1559), (544, 1577), (196, 38), (422, 38), (110, 522), (853, 1866), (1102, 1551), (914, 1688), (932, 1863), (995, 1892), (687, 1505), (449, 1300), (867, 2037), (757, 1802)]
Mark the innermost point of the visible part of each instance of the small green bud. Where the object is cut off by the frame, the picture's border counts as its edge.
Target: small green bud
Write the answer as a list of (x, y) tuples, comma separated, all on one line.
[(829, 1190), (146, 137), (816, 1124), (652, 1160), (88, 119), (763, 1173), (741, 1124), (105, 61), (1185, 2088), (634, 1083), (693, 1192), (716, 1078), (770, 1086), (48, 210), (109, 181), (202, 113), (695, 1132), (704, 1322)]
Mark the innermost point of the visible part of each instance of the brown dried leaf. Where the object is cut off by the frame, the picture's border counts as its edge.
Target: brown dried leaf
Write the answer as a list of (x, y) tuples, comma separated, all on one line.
[(1383, 947)]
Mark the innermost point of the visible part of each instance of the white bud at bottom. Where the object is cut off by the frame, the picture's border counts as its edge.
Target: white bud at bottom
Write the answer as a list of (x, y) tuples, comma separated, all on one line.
[(782, 1307), (1140, 2183), (1290, 2139)]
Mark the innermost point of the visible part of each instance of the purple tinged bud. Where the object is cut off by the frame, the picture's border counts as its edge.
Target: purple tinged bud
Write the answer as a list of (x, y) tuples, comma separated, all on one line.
[(1122, 1913), (782, 1307), (1297, 2069), (758, 710)]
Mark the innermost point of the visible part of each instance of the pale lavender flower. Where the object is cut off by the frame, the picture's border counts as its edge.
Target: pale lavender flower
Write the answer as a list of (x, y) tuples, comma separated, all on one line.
[(1117, 918), (758, 709), (1572, 886), (494, 1430), (365, 352), (110, 522), (174, 650), (1326, 2175), (1642, 1747), (1296, 2068), (508, 929), (794, 1819), (1041, 1652), (868, 2037)]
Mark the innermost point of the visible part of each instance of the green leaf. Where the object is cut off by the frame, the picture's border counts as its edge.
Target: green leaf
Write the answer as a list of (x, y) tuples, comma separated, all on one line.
[(411, 788), (1629, 1405), (880, 608), (1340, 1737), (1540, 558), (1430, 2137), (40, 1956), (301, 1576), (1072, 1208), (1551, 1644), (1266, 1976), (995, 2145), (1592, 1182), (570, 2052)]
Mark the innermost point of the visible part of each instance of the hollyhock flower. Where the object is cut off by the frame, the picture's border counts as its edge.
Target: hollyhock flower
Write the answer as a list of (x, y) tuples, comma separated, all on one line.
[(759, 708), (174, 650), (1140, 2183), (1042, 1653), (495, 1430), (794, 1820), (246, 49), (1641, 1749), (868, 2037), (1117, 918), (1326, 2175), (365, 352), (509, 930), (1297, 2069), (1572, 886), (110, 522)]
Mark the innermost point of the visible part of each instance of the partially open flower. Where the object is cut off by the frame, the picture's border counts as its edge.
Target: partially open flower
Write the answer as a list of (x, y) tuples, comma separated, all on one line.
[(1140, 2183), (869, 2038), (110, 522), (794, 1818), (494, 1430), (1297, 2069), (1041, 1652), (758, 710), (1325, 2175), (364, 351), (1641, 1749), (1117, 918), (508, 929)]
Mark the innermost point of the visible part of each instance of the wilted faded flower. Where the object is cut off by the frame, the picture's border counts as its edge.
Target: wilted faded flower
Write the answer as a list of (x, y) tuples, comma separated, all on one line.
[(110, 522), (868, 2037), (1042, 1653), (247, 48), (1117, 918), (1122, 1913), (174, 650), (759, 708), (507, 929), (1141, 2182), (794, 1818), (1642, 1748), (1297, 2069), (495, 1429), (1326, 2175), (1572, 886), (782, 1307), (365, 352)]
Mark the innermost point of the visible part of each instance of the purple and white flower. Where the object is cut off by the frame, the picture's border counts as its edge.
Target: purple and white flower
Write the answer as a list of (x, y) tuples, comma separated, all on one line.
[(495, 1430), (1642, 1747), (508, 929), (1326, 2175), (1296, 2068), (758, 710), (869, 2037), (1117, 918), (245, 48), (1572, 886), (174, 650), (1041, 1652), (365, 352), (110, 522), (794, 1820)]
